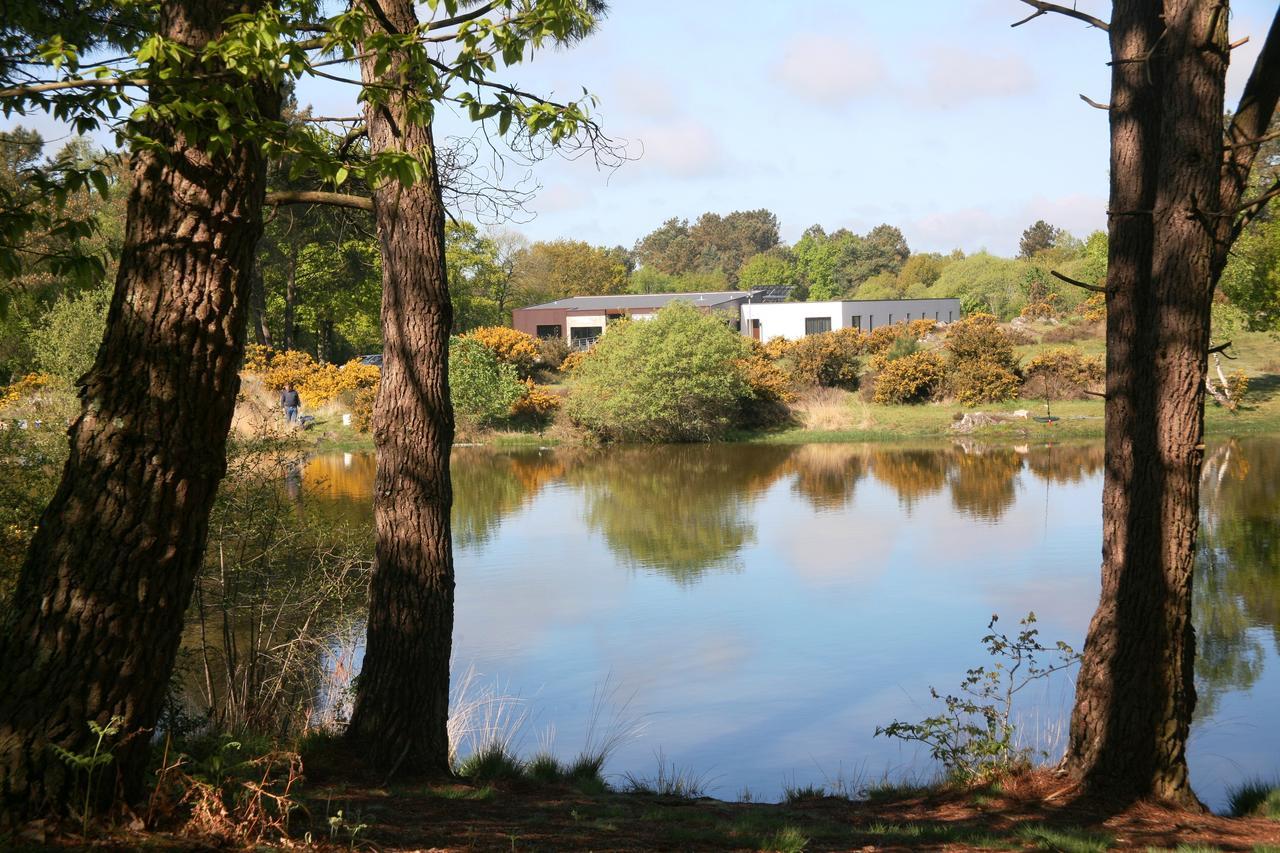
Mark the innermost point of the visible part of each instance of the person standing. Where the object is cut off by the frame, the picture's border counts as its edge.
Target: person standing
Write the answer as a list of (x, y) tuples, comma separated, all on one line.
[(290, 401)]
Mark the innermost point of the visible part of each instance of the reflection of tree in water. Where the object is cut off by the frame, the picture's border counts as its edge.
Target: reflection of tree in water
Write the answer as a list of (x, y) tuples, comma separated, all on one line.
[(1237, 583), (488, 486), (1070, 463), (913, 474), (983, 481), (826, 474), (681, 510)]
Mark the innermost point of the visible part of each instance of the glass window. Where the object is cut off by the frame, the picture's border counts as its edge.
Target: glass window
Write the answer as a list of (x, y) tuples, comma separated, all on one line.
[(550, 331), (816, 325), (855, 322)]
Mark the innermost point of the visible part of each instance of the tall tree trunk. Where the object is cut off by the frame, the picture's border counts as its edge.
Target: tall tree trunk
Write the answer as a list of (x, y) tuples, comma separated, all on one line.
[(1135, 693), (290, 332), (324, 340), (402, 698), (98, 610), (258, 307)]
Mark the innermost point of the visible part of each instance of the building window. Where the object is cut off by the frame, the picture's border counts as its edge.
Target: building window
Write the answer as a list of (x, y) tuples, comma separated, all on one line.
[(855, 322), (545, 332), (908, 316), (816, 325), (948, 316), (890, 319), (584, 336)]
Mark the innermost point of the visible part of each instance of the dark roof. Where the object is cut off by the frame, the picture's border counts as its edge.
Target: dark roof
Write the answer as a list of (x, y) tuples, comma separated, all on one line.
[(646, 300)]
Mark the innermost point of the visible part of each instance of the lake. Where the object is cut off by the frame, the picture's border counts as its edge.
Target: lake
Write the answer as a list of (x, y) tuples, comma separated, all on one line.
[(763, 608)]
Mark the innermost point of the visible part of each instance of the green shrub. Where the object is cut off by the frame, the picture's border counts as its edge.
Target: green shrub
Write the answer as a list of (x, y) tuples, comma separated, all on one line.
[(912, 378), (673, 378), (66, 341), (482, 388), (552, 352)]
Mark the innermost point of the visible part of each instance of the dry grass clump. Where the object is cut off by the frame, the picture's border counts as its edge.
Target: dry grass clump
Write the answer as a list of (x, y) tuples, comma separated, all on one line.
[(825, 409)]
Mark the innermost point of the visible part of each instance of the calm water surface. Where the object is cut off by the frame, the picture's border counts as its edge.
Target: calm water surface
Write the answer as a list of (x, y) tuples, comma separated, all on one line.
[(767, 607)]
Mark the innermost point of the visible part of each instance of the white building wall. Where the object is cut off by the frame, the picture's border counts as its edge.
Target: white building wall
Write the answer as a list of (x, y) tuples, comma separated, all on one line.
[(583, 321), (786, 319)]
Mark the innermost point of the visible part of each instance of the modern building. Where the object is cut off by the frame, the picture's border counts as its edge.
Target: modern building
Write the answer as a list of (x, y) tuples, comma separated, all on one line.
[(794, 320), (582, 319)]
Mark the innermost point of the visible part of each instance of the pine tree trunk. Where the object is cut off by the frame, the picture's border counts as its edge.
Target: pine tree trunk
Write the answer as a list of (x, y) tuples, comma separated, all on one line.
[(258, 307), (98, 610), (402, 700), (291, 301), (1135, 693)]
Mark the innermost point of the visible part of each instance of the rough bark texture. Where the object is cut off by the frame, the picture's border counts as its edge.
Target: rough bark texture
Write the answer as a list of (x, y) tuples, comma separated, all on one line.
[(1135, 692), (402, 700), (99, 604), (290, 334)]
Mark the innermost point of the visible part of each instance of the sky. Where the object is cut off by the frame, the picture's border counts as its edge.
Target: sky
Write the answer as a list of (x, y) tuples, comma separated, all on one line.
[(934, 115)]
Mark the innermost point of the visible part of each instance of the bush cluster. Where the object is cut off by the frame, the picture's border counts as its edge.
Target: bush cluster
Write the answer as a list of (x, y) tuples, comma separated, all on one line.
[(1061, 373), (483, 389), (673, 378), (538, 404), (912, 378), (982, 367), (317, 384), (828, 360), (509, 346)]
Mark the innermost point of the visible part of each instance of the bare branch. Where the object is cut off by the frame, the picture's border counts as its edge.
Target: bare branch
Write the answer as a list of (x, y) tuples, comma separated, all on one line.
[(1073, 281), (464, 17), (1219, 348), (1238, 43), (1095, 104), (1261, 139), (1046, 8), (317, 197), (100, 83)]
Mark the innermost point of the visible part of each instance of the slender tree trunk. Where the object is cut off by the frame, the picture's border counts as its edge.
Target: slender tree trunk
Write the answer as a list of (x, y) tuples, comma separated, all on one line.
[(402, 699), (324, 340), (1135, 693), (291, 301), (98, 610), (258, 307)]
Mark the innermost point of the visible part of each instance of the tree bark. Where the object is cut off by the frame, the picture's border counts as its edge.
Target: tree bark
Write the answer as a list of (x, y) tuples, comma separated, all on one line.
[(402, 699), (258, 307), (291, 301), (1135, 693), (98, 609)]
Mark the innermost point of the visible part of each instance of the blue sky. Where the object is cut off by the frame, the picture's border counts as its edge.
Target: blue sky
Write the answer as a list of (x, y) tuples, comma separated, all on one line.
[(932, 115)]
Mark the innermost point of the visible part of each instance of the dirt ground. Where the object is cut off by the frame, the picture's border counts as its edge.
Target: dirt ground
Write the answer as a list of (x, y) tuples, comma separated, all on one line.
[(1035, 811)]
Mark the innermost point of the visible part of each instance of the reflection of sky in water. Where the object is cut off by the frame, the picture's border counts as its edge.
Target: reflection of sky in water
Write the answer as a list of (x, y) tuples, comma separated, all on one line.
[(813, 594)]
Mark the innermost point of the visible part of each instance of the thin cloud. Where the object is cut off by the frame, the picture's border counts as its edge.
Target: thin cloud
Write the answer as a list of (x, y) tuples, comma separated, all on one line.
[(827, 69), (683, 149), (954, 76)]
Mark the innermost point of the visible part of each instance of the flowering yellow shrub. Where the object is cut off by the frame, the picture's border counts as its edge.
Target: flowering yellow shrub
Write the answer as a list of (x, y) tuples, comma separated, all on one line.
[(257, 358), (827, 359), (910, 379), (538, 402), (572, 361), (919, 328), (23, 387), (362, 408), (327, 381), (1062, 372), (290, 367), (975, 381), (510, 347), (1094, 308), (776, 348), (766, 380), (1237, 385)]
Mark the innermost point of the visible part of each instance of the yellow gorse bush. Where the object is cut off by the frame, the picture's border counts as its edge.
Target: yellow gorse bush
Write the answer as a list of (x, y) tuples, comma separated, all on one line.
[(23, 388), (509, 346), (910, 379), (538, 401), (317, 384)]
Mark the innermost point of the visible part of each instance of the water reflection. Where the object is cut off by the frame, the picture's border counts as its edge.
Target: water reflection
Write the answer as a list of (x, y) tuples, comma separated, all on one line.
[(680, 511), (774, 602)]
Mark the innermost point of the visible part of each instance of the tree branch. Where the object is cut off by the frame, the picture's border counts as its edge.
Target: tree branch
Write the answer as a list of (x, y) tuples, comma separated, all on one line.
[(1046, 8), (1091, 102), (1219, 348), (98, 83), (464, 17), (1244, 137), (1073, 281), (317, 197)]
